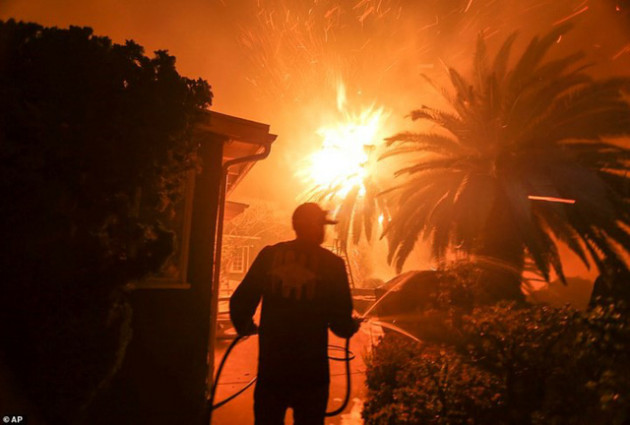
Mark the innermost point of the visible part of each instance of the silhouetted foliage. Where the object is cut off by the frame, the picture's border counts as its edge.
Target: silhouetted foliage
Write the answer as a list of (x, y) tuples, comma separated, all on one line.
[(535, 365), (538, 127), (94, 142), (613, 283), (411, 383)]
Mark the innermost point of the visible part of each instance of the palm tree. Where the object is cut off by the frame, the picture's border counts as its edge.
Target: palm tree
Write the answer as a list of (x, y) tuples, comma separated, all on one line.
[(350, 187), (516, 138)]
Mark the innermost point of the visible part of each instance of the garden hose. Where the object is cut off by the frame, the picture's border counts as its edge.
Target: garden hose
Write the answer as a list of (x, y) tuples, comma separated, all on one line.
[(213, 391), (349, 356), (348, 381)]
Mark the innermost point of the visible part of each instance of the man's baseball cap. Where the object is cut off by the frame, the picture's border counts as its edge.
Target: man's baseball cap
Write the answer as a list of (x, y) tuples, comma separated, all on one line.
[(310, 212)]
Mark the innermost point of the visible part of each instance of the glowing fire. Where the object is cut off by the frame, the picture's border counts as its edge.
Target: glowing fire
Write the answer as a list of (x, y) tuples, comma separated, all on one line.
[(551, 199), (344, 160)]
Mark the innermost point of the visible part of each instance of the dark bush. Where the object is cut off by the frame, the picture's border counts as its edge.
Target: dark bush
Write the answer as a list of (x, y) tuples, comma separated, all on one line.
[(534, 365), (411, 383), (94, 142)]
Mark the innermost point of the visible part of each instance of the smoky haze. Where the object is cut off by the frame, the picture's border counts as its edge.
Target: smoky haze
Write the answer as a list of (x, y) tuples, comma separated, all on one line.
[(281, 61)]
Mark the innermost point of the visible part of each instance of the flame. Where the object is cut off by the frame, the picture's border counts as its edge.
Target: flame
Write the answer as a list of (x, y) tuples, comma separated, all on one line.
[(344, 160)]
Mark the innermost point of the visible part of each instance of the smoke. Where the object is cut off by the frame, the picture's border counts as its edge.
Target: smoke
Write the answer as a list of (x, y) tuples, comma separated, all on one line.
[(297, 52), (280, 61)]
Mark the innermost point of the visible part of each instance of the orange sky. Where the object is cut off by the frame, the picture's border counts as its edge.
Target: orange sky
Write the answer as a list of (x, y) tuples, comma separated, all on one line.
[(280, 61), (379, 53)]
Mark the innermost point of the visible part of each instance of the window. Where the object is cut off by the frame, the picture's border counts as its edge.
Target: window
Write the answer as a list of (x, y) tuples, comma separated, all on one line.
[(239, 261)]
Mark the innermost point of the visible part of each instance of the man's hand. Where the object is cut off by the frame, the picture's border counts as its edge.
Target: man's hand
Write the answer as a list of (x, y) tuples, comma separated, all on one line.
[(250, 329), (356, 320)]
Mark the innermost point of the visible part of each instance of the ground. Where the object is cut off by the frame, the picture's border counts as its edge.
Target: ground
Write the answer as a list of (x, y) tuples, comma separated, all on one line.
[(241, 368)]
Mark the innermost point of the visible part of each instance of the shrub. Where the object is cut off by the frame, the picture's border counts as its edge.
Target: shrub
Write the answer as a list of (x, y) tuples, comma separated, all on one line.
[(411, 383), (95, 137), (534, 365)]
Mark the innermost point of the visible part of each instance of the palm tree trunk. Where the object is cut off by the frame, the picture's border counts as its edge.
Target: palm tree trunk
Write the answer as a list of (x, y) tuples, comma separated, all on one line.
[(501, 258)]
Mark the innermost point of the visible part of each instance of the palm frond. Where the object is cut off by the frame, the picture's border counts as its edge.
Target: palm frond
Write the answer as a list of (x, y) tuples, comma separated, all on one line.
[(556, 221), (536, 128), (499, 65), (593, 111), (344, 216), (525, 67), (550, 249), (426, 141), (523, 117), (480, 63), (370, 208), (463, 90), (446, 120), (428, 165)]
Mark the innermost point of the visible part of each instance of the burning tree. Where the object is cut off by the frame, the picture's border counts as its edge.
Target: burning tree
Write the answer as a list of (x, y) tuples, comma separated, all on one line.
[(343, 174), (522, 160)]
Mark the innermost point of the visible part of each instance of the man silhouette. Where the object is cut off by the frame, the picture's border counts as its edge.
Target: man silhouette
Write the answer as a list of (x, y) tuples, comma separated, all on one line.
[(304, 291)]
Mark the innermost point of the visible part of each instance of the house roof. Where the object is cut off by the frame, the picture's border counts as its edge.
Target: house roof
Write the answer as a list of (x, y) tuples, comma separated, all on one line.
[(241, 138), (232, 209)]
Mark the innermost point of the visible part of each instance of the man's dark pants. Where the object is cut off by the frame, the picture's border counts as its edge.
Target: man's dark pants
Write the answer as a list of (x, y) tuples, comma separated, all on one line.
[(308, 403)]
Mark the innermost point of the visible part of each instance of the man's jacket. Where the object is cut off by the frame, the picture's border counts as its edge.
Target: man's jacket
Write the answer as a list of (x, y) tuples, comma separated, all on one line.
[(304, 291)]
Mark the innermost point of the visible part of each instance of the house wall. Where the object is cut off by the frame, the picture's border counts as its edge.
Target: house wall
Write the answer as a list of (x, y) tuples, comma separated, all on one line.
[(163, 377)]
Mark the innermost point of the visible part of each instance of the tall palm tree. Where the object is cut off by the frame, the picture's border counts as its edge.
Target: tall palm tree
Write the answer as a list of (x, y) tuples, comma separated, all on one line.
[(517, 138)]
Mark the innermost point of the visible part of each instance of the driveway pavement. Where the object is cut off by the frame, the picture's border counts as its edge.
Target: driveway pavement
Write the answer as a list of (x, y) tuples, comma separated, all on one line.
[(241, 368)]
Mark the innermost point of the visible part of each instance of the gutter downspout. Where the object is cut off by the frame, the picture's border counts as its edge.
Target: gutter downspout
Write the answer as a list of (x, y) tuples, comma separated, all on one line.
[(214, 301)]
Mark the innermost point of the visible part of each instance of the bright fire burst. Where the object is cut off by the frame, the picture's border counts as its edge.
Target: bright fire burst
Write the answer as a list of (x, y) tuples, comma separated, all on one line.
[(345, 159)]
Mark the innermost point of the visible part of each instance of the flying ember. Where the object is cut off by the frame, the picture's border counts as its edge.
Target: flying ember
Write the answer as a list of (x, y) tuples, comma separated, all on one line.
[(551, 199), (345, 159)]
